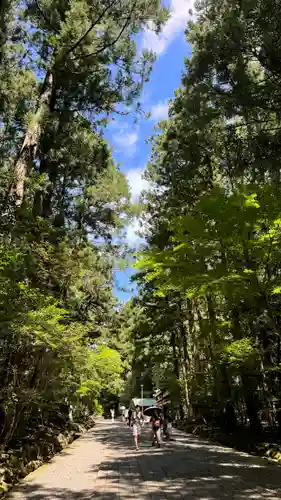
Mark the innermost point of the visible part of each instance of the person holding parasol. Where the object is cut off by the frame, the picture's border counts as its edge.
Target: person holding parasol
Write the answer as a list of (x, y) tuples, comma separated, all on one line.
[(155, 419)]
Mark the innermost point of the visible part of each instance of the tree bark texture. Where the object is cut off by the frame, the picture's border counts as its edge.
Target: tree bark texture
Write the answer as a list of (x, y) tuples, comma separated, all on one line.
[(31, 141)]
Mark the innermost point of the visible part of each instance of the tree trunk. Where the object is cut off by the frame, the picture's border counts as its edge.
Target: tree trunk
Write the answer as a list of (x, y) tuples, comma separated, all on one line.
[(175, 357), (227, 411), (176, 370), (252, 405), (186, 362), (212, 319), (278, 402), (31, 141), (185, 371)]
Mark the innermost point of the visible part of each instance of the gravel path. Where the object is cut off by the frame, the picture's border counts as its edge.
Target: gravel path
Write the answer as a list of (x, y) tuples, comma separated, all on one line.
[(103, 465)]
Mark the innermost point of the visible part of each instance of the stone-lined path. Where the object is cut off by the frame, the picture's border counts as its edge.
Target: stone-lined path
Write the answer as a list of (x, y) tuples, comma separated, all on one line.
[(102, 465)]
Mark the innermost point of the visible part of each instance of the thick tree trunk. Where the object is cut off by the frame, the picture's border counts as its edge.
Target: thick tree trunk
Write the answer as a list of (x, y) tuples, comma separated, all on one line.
[(176, 369), (175, 357), (31, 141), (278, 403), (186, 362), (227, 412), (252, 405), (212, 319), (185, 371)]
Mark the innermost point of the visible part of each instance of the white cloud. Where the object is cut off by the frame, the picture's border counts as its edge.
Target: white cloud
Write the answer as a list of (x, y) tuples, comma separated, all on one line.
[(130, 234), (132, 238), (179, 15), (159, 111), (137, 183), (127, 141)]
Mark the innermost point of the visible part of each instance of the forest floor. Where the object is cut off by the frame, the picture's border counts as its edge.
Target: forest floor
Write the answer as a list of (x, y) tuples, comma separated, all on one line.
[(102, 464)]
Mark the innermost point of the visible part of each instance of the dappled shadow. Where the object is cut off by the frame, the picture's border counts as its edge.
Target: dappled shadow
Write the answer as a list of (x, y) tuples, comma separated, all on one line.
[(38, 492), (188, 468)]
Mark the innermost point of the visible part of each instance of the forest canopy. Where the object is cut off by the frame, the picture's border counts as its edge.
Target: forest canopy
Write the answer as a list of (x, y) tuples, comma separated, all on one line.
[(66, 68), (205, 324), (208, 309)]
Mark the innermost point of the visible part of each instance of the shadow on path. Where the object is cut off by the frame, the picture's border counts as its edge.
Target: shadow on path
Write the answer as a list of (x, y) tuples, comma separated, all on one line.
[(188, 468), (38, 492)]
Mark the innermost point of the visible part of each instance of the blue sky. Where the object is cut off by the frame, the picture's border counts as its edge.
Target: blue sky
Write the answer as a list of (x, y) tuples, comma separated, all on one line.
[(128, 140)]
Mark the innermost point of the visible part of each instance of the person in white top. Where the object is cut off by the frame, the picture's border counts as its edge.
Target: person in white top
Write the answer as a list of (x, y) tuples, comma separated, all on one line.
[(126, 414), (136, 432), (112, 414)]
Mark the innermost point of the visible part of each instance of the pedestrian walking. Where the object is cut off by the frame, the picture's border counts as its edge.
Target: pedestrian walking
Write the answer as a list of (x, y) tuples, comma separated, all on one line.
[(156, 429), (167, 424), (136, 430), (169, 428), (138, 414), (130, 413), (126, 415), (112, 411)]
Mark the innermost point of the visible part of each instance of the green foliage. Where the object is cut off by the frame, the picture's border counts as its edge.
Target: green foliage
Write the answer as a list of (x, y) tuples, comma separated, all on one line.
[(65, 67), (239, 352), (212, 264)]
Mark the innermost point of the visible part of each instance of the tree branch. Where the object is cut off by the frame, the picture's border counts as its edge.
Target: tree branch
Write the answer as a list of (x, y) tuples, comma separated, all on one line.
[(99, 18), (111, 44), (45, 17)]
